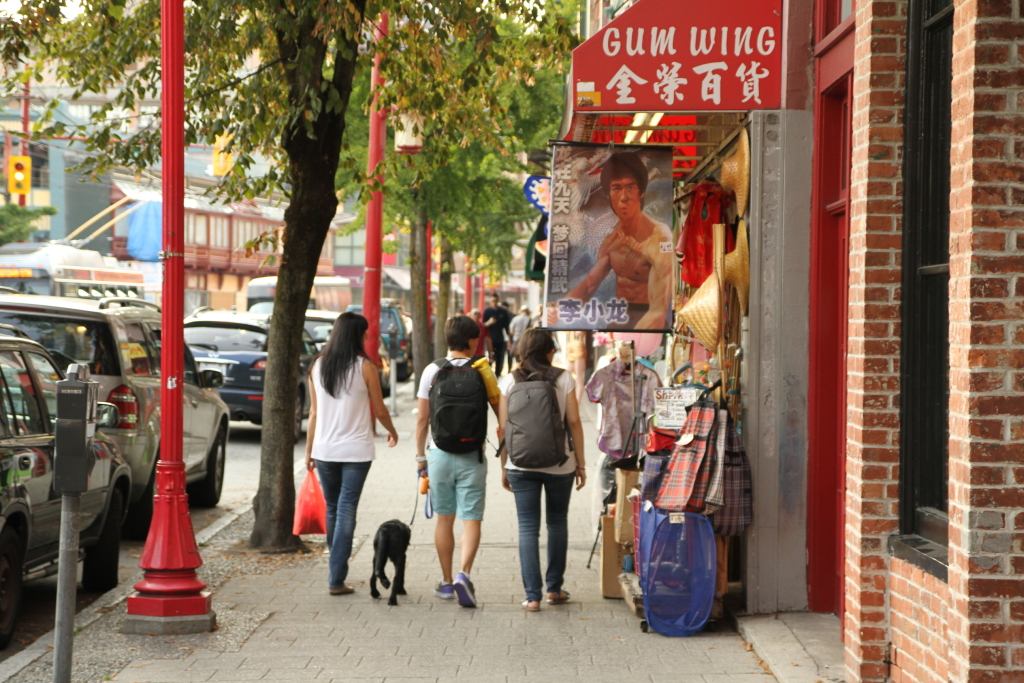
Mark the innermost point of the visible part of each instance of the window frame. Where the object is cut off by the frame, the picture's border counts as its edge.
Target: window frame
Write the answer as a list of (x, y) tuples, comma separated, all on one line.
[(924, 292)]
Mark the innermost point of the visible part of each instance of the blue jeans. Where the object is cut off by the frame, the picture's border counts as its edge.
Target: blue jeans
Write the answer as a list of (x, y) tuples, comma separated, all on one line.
[(527, 486), (342, 483)]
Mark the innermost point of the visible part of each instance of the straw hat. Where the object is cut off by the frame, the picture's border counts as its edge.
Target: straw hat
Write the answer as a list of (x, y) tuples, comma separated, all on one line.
[(702, 312), (736, 172), (737, 267)]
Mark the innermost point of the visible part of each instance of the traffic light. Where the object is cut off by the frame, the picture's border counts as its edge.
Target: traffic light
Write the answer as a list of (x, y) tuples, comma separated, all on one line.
[(19, 175)]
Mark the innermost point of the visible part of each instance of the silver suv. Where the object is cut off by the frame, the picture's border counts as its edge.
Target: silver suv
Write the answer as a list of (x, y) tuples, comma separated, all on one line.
[(119, 339)]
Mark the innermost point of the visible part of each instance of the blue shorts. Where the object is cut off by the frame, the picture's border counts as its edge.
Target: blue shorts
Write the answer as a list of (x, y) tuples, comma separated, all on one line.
[(458, 483)]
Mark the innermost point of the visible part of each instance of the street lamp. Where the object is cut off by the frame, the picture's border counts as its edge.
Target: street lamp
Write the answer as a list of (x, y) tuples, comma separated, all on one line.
[(170, 598)]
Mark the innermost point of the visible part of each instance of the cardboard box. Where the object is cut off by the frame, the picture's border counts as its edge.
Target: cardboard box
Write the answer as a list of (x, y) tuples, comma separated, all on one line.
[(612, 556), (625, 481)]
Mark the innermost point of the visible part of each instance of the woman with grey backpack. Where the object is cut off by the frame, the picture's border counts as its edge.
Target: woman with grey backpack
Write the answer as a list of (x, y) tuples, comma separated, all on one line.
[(539, 422)]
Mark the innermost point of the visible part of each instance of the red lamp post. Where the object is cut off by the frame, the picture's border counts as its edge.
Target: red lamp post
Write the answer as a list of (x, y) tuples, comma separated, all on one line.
[(170, 597), (375, 207)]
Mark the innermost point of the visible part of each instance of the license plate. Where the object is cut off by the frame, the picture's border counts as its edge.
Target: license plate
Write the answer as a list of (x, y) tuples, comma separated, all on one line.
[(219, 367)]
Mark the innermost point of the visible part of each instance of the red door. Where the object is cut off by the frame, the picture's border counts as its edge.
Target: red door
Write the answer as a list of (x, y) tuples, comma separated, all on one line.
[(828, 297)]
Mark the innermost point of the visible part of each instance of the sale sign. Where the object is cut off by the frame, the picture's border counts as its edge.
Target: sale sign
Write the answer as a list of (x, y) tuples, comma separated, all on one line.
[(683, 55)]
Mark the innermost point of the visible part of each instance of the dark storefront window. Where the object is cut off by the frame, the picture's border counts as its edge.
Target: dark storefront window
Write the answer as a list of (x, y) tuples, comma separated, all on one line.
[(924, 380)]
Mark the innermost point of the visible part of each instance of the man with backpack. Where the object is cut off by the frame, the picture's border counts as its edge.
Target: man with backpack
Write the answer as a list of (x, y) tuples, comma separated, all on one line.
[(454, 395)]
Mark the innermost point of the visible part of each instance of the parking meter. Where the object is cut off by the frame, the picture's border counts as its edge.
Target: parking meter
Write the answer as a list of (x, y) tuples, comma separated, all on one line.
[(76, 427), (393, 342)]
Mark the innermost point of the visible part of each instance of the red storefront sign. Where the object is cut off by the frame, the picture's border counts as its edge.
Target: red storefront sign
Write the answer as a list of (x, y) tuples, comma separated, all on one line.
[(683, 55)]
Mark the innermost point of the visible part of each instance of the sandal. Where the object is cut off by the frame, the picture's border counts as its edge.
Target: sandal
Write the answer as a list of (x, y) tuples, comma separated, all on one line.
[(561, 598), (527, 605)]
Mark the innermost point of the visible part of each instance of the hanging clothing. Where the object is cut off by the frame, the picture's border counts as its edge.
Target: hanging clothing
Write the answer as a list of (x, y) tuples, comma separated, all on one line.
[(610, 387), (710, 204), (738, 512)]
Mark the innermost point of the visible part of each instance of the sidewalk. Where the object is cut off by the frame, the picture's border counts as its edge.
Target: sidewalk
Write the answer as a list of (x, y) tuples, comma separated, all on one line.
[(277, 622)]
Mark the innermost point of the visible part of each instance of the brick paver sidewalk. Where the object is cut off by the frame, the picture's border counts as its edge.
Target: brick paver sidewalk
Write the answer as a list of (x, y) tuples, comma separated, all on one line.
[(310, 635)]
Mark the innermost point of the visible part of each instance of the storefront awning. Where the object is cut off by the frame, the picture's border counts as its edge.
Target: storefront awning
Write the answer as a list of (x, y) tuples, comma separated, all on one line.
[(401, 276)]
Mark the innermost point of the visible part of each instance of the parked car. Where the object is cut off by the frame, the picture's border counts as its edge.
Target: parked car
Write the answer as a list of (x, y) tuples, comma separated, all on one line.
[(119, 339), (29, 507), (319, 325), (392, 315), (236, 344)]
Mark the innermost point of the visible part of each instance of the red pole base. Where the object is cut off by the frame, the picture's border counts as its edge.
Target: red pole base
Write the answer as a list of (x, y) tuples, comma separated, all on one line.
[(170, 586)]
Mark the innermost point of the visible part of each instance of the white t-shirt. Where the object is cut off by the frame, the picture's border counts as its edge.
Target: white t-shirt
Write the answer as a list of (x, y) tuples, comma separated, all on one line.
[(427, 378), (344, 424), (564, 386)]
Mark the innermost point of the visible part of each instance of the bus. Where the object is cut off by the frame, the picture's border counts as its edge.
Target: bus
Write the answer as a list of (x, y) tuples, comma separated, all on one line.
[(328, 294), (60, 270)]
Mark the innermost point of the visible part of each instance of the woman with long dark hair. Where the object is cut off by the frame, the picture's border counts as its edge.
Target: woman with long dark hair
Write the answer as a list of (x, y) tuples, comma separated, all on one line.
[(535, 351), (339, 438)]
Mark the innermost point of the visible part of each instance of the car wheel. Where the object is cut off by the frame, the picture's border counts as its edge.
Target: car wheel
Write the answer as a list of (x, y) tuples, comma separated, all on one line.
[(404, 371), (10, 584), (300, 405), (99, 571), (205, 493), (136, 526)]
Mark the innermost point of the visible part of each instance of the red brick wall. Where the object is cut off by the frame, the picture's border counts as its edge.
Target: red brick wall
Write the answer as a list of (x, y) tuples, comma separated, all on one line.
[(873, 345), (919, 605), (970, 630), (986, 447)]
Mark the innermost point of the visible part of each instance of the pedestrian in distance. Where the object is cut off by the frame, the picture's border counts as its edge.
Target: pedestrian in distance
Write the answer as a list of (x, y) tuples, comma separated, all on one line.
[(497, 320), (517, 328), (483, 342), (509, 343), (454, 395), (539, 424), (339, 437)]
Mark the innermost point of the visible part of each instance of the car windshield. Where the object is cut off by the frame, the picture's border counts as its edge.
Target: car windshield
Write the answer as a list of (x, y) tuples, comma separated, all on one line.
[(319, 330), (88, 342), (225, 338), (262, 307)]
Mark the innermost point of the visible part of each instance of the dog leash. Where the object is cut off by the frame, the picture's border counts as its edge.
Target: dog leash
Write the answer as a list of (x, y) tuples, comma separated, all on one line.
[(428, 503)]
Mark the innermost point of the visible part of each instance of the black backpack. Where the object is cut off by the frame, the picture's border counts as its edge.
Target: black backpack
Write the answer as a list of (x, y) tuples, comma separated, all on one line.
[(536, 430), (458, 408)]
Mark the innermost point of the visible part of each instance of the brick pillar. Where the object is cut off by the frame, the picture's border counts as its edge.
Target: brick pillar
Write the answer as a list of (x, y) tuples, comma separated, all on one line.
[(986, 405), (873, 345)]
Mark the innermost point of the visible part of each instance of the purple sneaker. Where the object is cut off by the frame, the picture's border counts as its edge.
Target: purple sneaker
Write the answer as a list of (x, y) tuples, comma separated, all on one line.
[(444, 590), (464, 589)]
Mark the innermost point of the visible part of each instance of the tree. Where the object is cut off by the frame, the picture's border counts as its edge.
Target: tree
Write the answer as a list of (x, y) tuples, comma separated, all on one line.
[(470, 192), (278, 76), (16, 221)]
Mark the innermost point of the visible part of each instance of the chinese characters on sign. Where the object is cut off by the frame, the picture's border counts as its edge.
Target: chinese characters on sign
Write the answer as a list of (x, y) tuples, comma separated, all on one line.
[(636, 63), (609, 253)]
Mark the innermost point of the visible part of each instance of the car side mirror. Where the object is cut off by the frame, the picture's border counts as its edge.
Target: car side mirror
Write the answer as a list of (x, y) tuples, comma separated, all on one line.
[(212, 378), (107, 415)]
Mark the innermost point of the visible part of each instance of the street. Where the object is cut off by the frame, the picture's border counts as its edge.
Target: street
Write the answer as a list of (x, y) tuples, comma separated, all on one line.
[(241, 476)]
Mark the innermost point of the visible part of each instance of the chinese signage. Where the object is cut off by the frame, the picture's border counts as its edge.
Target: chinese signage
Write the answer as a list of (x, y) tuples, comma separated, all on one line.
[(610, 255), (678, 55)]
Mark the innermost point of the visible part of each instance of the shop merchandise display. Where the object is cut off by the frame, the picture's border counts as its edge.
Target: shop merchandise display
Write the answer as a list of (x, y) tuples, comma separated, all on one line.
[(710, 204), (610, 387)]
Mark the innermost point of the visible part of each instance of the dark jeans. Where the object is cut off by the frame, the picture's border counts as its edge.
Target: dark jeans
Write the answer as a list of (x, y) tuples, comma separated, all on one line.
[(342, 483), (499, 356), (557, 489)]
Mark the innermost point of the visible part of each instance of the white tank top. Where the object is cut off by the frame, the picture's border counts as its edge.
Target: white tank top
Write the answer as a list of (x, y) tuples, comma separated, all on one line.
[(344, 426)]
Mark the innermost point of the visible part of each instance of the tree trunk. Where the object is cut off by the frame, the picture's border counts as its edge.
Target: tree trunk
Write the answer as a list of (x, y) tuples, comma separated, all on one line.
[(418, 263), (313, 162), (307, 220), (444, 294)]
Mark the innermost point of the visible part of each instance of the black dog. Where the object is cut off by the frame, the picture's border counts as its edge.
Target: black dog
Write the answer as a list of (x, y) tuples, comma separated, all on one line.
[(390, 543)]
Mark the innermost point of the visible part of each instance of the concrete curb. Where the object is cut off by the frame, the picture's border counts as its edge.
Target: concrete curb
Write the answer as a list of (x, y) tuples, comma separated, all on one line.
[(11, 667), (783, 649)]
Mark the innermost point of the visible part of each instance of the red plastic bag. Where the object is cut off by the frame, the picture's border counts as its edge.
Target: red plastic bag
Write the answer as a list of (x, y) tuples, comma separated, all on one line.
[(310, 508)]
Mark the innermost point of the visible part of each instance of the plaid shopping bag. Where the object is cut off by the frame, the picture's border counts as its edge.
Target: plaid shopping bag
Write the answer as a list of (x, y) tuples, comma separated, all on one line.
[(685, 480), (738, 512)]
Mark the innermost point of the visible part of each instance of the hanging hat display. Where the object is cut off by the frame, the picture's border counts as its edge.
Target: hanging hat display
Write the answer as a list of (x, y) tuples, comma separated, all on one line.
[(737, 267), (736, 172), (703, 312)]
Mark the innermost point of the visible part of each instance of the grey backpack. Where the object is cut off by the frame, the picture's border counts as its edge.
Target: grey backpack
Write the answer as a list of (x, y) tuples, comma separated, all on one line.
[(535, 433)]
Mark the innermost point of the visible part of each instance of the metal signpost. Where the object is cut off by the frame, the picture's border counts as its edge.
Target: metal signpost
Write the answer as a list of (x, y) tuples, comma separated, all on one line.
[(72, 465)]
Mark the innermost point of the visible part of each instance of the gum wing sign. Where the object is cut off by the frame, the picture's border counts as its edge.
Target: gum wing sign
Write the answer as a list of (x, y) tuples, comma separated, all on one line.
[(683, 55)]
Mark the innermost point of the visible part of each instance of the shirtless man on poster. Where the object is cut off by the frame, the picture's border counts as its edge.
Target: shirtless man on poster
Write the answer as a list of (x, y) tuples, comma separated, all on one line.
[(635, 249)]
